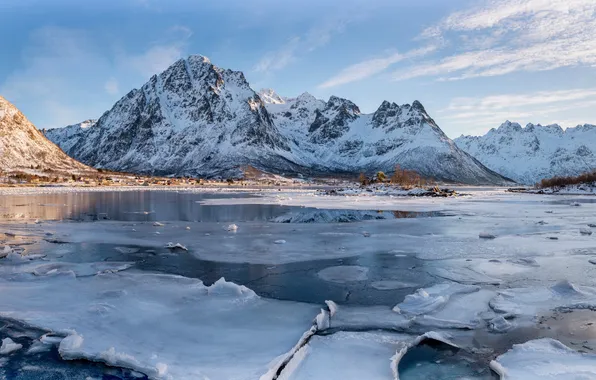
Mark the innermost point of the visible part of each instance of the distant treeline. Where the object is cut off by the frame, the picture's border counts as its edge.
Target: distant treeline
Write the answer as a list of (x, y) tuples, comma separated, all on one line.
[(588, 177), (402, 177)]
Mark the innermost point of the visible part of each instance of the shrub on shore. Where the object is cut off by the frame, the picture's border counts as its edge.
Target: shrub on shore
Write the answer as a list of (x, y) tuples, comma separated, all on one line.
[(588, 177)]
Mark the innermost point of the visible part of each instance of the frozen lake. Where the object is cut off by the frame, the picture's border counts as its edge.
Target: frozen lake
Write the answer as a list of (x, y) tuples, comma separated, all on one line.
[(94, 267)]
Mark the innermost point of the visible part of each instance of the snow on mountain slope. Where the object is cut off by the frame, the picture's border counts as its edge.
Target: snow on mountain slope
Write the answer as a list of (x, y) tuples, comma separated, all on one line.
[(198, 119), (192, 119), (69, 135), (22, 146), (335, 136), (530, 154)]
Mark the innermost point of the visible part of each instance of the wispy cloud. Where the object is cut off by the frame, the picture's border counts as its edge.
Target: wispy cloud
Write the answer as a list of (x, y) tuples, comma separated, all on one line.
[(62, 68), (505, 36), (315, 38), (154, 60), (280, 58), (111, 86), (368, 68), (480, 114)]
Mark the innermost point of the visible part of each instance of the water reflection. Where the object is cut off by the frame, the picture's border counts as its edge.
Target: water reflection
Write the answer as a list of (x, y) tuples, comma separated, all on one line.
[(133, 206)]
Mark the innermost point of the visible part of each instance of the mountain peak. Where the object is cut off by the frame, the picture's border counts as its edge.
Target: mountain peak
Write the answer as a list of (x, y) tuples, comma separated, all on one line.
[(24, 146), (336, 102), (508, 126), (418, 106), (198, 58), (198, 119), (269, 96)]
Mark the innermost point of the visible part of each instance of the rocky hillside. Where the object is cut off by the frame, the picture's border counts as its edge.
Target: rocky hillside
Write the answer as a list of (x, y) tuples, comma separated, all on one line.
[(200, 120), (24, 147), (535, 152), (334, 136)]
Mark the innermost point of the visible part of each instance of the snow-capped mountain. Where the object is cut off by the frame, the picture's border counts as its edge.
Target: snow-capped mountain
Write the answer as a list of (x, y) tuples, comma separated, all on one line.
[(23, 146), (530, 154), (201, 120), (334, 136), (70, 134)]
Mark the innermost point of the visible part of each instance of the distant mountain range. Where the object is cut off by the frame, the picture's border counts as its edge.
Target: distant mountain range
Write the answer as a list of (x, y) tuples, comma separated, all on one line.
[(24, 148), (200, 120), (530, 154)]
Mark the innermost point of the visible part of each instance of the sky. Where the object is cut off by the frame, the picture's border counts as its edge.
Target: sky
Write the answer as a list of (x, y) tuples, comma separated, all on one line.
[(472, 63)]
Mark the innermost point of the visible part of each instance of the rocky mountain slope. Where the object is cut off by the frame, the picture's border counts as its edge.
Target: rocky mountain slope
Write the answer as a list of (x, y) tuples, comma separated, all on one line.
[(334, 136), (23, 146), (201, 120), (70, 134), (530, 154)]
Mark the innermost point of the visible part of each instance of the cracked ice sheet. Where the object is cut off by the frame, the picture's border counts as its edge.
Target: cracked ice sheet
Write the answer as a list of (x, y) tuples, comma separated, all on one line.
[(373, 355), (447, 305), (544, 359), (529, 302), (348, 356), (169, 327)]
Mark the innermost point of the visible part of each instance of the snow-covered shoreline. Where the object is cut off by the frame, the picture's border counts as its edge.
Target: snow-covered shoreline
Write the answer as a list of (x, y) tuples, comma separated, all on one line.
[(581, 189)]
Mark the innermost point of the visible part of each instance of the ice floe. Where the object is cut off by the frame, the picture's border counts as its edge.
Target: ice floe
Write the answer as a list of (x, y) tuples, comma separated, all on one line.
[(176, 246), (8, 346), (391, 285), (427, 300), (534, 300), (544, 359), (206, 325), (344, 273)]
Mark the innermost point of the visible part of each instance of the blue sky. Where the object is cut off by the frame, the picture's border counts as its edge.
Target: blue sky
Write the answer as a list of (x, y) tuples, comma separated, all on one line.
[(472, 63)]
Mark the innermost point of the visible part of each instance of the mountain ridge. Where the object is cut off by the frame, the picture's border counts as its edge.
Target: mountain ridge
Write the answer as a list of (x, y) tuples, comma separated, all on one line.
[(23, 147), (198, 119), (534, 152)]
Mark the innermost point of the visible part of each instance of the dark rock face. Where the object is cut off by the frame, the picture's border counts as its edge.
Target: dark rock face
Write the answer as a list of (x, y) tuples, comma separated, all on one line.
[(197, 119)]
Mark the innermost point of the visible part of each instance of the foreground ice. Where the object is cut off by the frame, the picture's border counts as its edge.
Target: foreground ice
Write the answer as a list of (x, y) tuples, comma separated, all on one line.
[(530, 302), (8, 346), (168, 327), (348, 356), (344, 273), (544, 359)]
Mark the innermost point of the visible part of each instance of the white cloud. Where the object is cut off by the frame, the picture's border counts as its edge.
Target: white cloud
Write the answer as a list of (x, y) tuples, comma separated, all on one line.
[(544, 107), (279, 59), (315, 38), (505, 36), (371, 67), (154, 60), (63, 71), (111, 86)]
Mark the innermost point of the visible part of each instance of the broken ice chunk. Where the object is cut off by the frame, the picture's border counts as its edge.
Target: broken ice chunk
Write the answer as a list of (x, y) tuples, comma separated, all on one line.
[(427, 300), (499, 324), (5, 252), (281, 241), (585, 231), (232, 228), (544, 359), (158, 224), (173, 246), (344, 273), (8, 346)]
